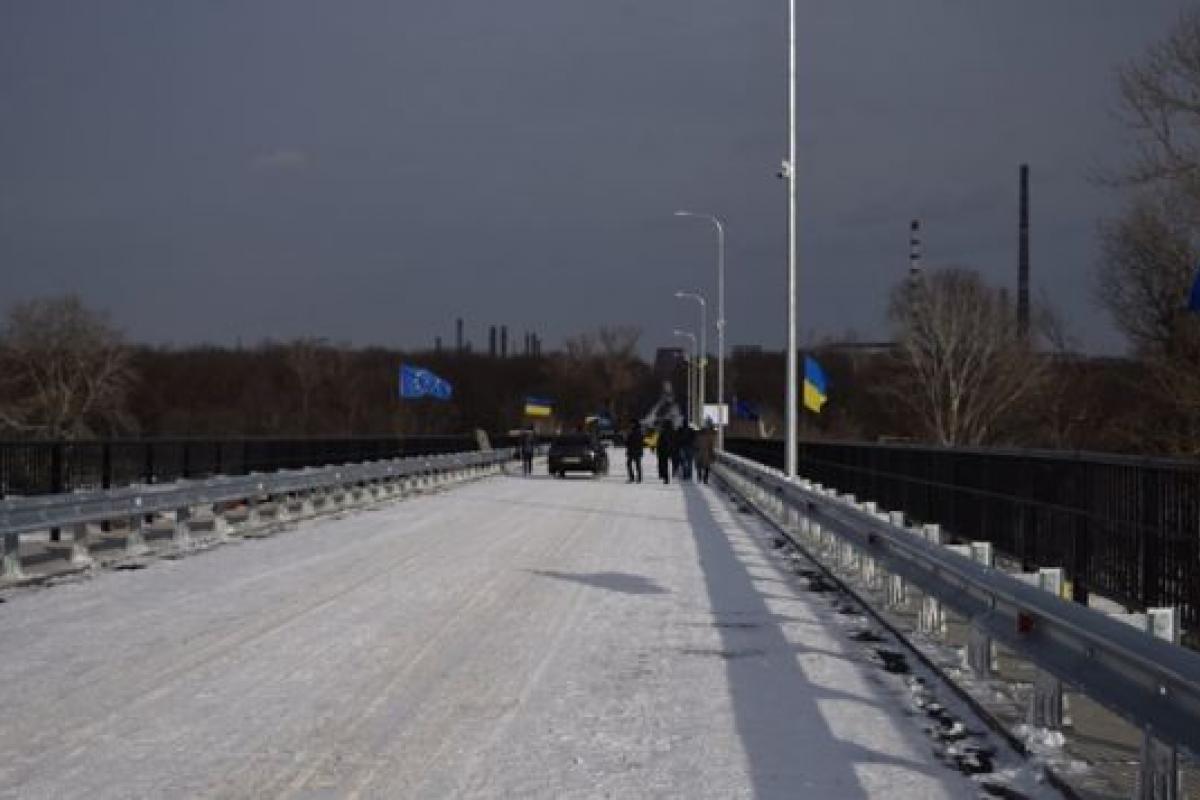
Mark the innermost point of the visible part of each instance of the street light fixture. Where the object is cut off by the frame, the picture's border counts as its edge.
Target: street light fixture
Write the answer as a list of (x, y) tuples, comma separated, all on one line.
[(699, 298), (695, 348), (720, 316)]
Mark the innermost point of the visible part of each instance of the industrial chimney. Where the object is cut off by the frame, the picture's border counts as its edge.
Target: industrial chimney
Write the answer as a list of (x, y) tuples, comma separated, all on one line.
[(1023, 257), (914, 249)]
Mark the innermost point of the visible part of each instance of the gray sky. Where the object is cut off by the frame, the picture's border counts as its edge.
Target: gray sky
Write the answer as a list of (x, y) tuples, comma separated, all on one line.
[(367, 170)]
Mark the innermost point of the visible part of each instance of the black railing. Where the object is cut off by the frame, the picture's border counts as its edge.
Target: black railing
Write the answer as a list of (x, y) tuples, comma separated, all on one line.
[(45, 467), (1123, 527)]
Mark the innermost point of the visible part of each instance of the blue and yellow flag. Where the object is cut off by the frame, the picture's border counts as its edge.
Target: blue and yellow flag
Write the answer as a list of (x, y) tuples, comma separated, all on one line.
[(538, 407), (815, 385)]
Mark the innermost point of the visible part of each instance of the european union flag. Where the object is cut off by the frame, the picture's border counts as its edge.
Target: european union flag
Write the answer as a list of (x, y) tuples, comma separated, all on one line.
[(1194, 299), (816, 386), (416, 382)]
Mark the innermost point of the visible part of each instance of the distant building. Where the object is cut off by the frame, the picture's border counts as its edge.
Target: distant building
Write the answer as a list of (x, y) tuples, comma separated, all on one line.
[(746, 350)]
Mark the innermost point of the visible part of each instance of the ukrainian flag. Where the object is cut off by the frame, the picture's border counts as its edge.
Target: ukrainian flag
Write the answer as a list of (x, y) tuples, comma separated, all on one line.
[(815, 385), (538, 407)]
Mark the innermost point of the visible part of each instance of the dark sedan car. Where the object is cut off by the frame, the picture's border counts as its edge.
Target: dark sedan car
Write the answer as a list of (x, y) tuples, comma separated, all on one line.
[(577, 453)]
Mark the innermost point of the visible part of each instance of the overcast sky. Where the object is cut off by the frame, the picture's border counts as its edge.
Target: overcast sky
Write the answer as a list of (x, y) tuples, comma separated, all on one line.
[(368, 170)]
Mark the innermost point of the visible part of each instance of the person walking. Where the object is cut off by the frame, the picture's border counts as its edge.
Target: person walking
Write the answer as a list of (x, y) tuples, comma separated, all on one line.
[(665, 449), (686, 442), (706, 451), (527, 445), (634, 443)]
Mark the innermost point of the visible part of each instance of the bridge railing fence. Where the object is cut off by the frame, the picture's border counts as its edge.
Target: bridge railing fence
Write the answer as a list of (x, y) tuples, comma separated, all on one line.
[(48, 467), (1127, 528)]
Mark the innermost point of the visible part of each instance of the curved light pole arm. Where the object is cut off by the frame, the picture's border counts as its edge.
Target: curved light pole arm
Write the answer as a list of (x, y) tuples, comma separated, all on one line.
[(720, 226)]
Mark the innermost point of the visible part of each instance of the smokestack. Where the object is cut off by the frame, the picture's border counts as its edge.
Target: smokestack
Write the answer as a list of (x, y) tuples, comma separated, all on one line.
[(492, 341), (1023, 257), (459, 339), (914, 249), (504, 341), (437, 344)]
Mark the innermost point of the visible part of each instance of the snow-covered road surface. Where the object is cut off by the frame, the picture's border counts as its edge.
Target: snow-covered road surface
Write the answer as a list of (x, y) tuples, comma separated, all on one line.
[(510, 638)]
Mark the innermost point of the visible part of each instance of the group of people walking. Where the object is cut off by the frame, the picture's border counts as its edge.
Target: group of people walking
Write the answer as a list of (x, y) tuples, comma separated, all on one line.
[(681, 452)]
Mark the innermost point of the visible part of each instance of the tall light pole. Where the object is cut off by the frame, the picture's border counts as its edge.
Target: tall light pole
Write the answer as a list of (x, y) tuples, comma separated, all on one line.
[(720, 317), (695, 348), (789, 170), (699, 298)]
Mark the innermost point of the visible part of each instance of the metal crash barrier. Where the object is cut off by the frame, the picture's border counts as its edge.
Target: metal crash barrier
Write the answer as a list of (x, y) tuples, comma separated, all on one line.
[(291, 494), (1150, 681)]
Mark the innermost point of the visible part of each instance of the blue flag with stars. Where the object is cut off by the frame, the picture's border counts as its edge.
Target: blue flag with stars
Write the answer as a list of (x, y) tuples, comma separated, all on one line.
[(1194, 299), (416, 382)]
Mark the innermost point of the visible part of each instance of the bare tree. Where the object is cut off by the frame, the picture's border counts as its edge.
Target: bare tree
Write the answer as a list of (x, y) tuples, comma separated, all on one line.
[(64, 371), (1160, 96), (619, 364), (964, 364), (307, 359), (1149, 258), (1150, 252)]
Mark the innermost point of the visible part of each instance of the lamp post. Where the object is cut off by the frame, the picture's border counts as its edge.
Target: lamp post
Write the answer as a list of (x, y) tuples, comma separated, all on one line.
[(720, 315), (700, 384), (789, 171), (695, 348)]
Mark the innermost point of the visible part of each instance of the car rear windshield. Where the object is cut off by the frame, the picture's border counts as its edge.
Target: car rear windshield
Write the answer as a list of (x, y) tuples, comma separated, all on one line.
[(574, 439)]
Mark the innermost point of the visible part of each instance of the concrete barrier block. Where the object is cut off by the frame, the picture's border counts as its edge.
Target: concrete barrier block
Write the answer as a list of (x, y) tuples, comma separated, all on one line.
[(10, 558), (135, 541), (897, 591), (183, 530), (81, 545), (931, 620)]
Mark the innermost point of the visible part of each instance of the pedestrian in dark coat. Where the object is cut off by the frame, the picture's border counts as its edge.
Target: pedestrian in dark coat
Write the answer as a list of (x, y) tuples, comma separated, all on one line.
[(527, 446), (665, 449), (685, 444), (706, 451), (634, 443)]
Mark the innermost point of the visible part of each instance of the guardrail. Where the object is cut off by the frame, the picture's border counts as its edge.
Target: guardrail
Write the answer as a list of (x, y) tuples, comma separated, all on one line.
[(1151, 682), (1122, 526), (287, 488), (37, 467)]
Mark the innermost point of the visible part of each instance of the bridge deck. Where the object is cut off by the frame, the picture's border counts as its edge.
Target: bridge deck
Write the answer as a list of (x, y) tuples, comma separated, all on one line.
[(513, 637)]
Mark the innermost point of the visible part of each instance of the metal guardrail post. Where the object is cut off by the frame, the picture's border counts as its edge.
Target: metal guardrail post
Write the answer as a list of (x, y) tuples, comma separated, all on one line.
[(148, 463), (981, 655), (135, 541), (10, 557), (56, 480), (1046, 703), (932, 619), (183, 537), (897, 590), (1158, 773), (80, 536)]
